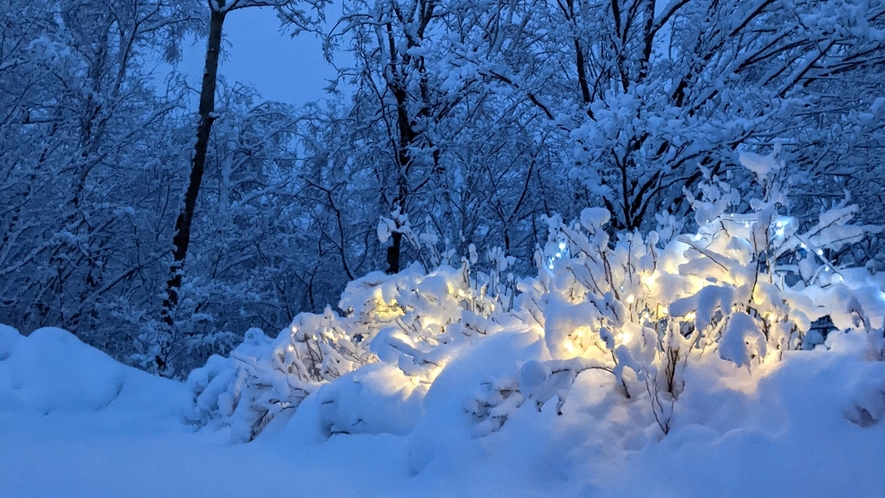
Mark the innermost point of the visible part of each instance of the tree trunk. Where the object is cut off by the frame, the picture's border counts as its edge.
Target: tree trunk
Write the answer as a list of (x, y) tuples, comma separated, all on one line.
[(393, 251), (181, 239)]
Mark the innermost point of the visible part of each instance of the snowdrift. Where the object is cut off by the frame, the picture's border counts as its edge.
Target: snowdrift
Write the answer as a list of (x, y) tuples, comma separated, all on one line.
[(51, 371)]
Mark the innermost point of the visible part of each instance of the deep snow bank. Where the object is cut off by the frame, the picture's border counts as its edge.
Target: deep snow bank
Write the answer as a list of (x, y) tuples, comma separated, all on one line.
[(51, 371), (808, 425), (796, 430)]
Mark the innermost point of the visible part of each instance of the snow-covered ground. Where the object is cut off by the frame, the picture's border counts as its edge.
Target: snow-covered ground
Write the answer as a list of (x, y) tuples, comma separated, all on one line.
[(73, 422)]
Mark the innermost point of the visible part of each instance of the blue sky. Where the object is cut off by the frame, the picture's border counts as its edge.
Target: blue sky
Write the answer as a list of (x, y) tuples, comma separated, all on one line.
[(259, 53)]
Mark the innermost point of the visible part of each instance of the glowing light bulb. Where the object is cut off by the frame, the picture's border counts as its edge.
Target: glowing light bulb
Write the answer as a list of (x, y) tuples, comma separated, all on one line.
[(630, 299)]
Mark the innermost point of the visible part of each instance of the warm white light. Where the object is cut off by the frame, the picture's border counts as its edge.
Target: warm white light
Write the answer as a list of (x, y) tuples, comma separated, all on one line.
[(630, 299)]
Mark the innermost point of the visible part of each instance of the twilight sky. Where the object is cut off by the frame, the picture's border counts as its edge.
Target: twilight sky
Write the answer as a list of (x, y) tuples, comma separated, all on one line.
[(257, 52)]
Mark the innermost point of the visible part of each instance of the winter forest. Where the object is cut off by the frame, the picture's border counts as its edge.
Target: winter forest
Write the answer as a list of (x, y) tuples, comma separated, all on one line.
[(520, 248)]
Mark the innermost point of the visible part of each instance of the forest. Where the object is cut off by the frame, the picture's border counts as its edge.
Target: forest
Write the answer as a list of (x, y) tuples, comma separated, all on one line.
[(497, 204), (468, 123)]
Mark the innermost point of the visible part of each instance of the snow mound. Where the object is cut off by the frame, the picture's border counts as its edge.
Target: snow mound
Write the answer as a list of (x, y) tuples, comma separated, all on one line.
[(376, 399), (51, 370)]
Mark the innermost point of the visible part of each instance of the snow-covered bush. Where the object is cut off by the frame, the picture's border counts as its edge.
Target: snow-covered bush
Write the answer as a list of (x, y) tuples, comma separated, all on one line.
[(746, 287), (262, 377), (412, 320)]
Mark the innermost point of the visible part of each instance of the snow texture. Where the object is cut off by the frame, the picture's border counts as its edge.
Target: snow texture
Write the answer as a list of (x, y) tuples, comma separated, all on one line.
[(822, 408)]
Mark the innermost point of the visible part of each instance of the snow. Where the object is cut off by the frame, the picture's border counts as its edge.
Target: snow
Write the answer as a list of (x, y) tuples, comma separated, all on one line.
[(742, 341), (761, 165), (75, 423), (51, 370)]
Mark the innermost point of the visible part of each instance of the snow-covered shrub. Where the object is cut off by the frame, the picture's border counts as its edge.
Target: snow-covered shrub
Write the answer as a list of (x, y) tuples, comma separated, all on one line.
[(746, 285), (378, 398), (745, 288), (263, 377), (412, 320)]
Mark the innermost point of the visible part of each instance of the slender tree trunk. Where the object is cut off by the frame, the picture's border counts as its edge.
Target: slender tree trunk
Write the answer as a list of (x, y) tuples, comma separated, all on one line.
[(407, 136), (181, 239), (396, 242)]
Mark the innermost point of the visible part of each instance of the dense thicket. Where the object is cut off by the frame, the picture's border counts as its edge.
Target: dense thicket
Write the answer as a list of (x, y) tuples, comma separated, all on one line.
[(466, 121)]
